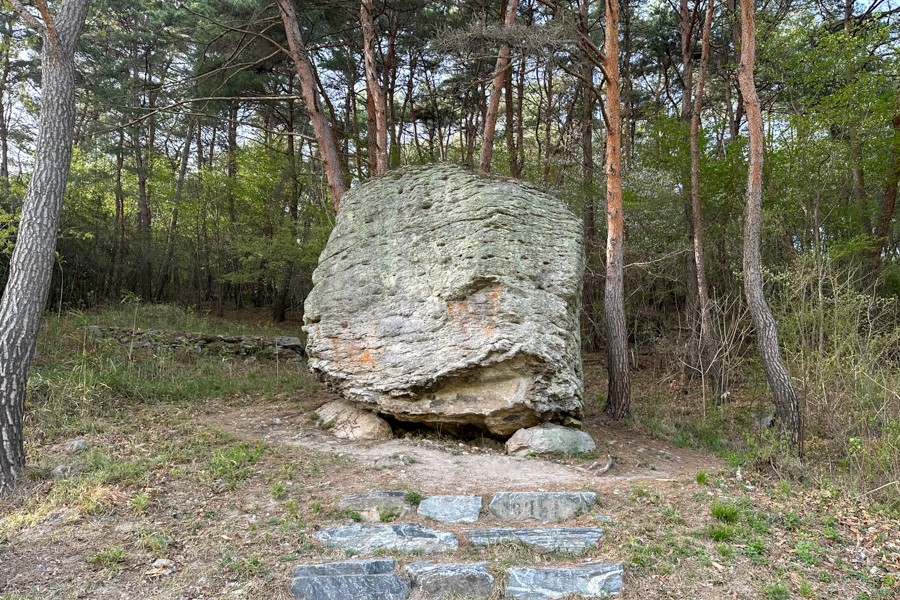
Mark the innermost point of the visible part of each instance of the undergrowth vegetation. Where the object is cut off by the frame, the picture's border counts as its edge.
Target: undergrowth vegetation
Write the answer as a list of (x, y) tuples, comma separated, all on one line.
[(133, 478), (843, 350)]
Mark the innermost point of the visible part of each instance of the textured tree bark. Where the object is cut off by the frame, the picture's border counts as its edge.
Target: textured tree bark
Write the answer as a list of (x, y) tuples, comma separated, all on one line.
[(324, 134), (618, 401), (144, 217), (380, 159), (709, 344), (787, 408), (888, 202), (119, 267), (493, 107), (31, 265)]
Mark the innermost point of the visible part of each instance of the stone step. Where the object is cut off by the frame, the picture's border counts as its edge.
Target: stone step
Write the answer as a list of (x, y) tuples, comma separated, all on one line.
[(440, 580), (369, 580), (543, 539), (404, 537), (376, 506), (544, 584), (351, 587), (359, 566), (451, 509), (547, 507)]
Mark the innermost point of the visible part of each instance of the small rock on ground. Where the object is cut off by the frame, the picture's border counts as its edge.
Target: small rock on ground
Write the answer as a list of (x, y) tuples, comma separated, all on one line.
[(347, 421), (451, 509), (549, 438)]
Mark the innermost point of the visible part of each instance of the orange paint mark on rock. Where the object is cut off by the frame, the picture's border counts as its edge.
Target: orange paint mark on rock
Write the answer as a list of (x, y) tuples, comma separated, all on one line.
[(353, 357)]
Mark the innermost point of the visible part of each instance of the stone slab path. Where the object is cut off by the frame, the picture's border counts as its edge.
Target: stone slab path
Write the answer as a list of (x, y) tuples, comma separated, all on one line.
[(375, 579)]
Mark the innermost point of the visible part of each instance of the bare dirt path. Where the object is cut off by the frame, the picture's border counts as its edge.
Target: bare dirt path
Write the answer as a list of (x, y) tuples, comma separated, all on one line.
[(440, 466)]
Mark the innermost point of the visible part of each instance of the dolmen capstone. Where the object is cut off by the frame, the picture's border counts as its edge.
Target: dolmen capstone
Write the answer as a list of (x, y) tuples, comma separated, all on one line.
[(451, 298)]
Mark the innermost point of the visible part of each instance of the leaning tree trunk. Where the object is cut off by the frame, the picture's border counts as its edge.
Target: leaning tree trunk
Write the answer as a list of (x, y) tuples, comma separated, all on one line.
[(324, 134), (31, 265), (787, 408), (493, 108), (618, 401)]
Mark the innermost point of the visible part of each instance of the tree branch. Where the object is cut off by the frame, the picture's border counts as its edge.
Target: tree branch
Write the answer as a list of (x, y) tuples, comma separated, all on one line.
[(28, 17), (48, 21)]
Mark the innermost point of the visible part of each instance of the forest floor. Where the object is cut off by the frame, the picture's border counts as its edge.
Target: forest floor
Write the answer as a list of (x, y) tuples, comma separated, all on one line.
[(202, 477)]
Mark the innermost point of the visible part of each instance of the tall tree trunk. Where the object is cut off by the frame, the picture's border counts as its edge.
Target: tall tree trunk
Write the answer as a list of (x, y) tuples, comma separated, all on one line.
[(119, 266), (145, 280), (709, 344), (787, 408), (889, 200), (324, 133), (173, 223), (493, 108), (629, 128), (31, 265), (618, 401), (376, 92), (4, 129)]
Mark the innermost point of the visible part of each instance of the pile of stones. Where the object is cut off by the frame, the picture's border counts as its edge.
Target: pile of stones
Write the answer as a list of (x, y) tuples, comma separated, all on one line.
[(381, 579), (283, 347)]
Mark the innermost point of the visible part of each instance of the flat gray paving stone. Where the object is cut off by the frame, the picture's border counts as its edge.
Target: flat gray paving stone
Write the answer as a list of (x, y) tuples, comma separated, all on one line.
[(374, 507), (359, 566), (405, 537), (451, 509), (547, 507), (351, 587), (542, 539), (543, 584), (434, 580)]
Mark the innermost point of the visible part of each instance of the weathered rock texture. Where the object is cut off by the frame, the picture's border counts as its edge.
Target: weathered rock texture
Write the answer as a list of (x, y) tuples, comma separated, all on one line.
[(598, 580), (451, 298), (549, 438), (347, 421), (406, 537), (541, 506), (430, 580)]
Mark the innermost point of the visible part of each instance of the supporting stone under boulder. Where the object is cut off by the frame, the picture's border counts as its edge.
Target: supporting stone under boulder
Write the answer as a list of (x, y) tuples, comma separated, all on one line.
[(549, 438), (347, 421), (451, 298)]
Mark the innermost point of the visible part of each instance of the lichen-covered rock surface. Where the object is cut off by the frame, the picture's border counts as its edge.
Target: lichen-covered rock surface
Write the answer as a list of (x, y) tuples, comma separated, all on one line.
[(451, 298)]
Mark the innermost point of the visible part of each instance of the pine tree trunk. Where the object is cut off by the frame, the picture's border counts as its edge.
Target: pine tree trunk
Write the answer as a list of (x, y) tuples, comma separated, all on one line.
[(709, 344), (493, 108), (25, 295), (378, 110), (787, 408), (324, 134), (618, 401)]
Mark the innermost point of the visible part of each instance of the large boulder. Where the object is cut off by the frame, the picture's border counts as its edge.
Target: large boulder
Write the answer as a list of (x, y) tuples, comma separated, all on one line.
[(451, 298)]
